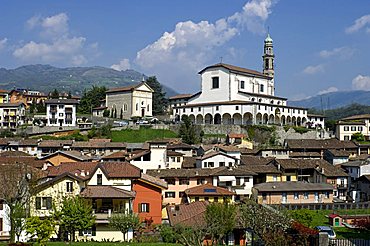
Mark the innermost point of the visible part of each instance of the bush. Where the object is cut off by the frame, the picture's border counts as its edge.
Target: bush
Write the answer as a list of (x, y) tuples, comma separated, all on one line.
[(168, 234)]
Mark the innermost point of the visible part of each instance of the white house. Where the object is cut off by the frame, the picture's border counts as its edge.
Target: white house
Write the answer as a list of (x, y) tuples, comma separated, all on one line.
[(130, 101), (4, 222), (236, 95), (316, 121), (12, 114), (61, 112), (154, 158), (346, 127), (216, 159)]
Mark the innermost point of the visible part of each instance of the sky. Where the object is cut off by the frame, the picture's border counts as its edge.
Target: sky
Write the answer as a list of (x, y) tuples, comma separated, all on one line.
[(320, 46)]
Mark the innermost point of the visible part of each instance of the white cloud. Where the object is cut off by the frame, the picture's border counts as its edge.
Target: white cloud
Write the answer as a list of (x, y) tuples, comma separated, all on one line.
[(58, 45), (361, 83), (253, 15), (328, 90), (3, 43), (314, 69), (123, 65), (341, 52), (359, 24), (190, 46)]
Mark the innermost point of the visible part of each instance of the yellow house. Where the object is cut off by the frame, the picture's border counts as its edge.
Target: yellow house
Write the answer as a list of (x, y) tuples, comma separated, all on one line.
[(4, 96), (210, 193)]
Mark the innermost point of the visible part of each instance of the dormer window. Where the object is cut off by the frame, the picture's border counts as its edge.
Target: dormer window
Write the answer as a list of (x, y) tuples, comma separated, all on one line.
[(215, 83), (99, 179)]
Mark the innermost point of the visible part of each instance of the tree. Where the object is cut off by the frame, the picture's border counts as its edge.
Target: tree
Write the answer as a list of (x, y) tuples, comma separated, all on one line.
[(91, 99), (69, 96), (41, 228), (363, 224), (17, 182), (358, 136), (190, 235), (220, 220), (75, 215), (106, 113), (160, 101), (123, 221), (54, 94), (268, 223), (187, 131)]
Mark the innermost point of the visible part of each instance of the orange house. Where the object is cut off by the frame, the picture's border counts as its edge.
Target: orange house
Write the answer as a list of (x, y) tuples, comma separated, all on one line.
[(148, 198)]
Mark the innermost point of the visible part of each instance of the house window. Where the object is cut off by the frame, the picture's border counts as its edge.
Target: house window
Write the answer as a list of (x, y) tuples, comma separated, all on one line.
[(43, 203), (137, 106), (264, 196), (222, 164), (346, 128), (262, 87), (206, 198), (246, 179), (201, 181), (196, 198), (288, 178), (274, 178), (211, 164), (125, 107), (99, 179), (61, 106), (353, 128), (178, 159), (183, 110), (169, 194), (143, 207), (346, 137), (360, 128), (215, 199), (238, 181), (69, 186), (147, 108), (242, 84), (326, 194), (184, 181), (60, 114), (171, 181), (217, 107), (296, 195), (191, 109), (199, 108), (215, 83), (236, 107), (305, 195)]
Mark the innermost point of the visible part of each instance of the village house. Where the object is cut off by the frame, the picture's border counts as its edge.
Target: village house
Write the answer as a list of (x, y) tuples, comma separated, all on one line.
[(12, 115), (316, 121), (235, 95), (4, 96), (130, 101), (98, 147), (178, 100), (216, 159), (108, 186), (208, 192), (292, 192), (58, 157), (346, 127), (26, 97), (47, 147), (61, 112)]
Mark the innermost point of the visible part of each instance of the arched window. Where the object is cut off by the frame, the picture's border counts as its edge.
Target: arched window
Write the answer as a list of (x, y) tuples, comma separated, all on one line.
[(147, 108), (137, 106), (125, 107), (262, 88)]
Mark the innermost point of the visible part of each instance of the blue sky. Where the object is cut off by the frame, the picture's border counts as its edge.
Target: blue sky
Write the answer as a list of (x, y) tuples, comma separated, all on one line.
[(320, 46)]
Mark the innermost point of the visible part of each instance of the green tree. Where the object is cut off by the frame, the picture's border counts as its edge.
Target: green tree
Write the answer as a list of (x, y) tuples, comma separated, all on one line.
[(187, 131), (123, 221), (54, 94), (40, 108), (69, 95), (160, 101), (41, 228), (303, 216), (106, 113), (330, 124), (75, 215), (358, 136), (91, 99), (220, 219), (190, 235)]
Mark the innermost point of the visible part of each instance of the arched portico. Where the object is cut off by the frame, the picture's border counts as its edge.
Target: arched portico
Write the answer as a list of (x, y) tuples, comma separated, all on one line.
[(259, 118), (248, 119), (199, 119), (237, 119), (283, 120), (265, 119), (208, 119), (192, 118), (271, 119), (226, 119), (217, 119)]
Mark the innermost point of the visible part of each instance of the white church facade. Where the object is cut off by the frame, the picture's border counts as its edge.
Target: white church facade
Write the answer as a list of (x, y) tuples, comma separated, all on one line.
[(235, 95)]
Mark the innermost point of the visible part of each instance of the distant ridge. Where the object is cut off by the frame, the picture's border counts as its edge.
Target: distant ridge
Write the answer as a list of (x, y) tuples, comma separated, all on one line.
[(334, 100), (75, 79)]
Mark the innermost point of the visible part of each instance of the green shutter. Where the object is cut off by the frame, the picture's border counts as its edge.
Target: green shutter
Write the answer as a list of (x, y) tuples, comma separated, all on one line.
[(38, 202)]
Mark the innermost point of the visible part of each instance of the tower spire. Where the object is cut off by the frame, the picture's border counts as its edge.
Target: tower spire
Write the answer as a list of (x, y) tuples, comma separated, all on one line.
[(268, 55)]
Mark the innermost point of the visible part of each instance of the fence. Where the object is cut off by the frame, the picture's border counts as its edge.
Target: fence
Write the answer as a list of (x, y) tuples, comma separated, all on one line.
[(349, 242)]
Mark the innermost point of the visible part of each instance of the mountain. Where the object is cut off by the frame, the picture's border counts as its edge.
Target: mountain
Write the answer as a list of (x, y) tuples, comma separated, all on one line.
[(75, 79), (334, 100)]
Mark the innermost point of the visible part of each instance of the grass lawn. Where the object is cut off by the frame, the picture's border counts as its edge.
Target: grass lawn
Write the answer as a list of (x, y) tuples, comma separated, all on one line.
[(142, 135), (320, 218)]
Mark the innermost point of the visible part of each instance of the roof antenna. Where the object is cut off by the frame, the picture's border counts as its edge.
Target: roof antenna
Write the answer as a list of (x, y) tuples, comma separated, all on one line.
[(221, 59)]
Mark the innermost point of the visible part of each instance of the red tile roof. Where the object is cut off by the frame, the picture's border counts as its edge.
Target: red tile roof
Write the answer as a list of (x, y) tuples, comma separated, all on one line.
[(187, 214), (180, 96), (102, 191), (208, 190)]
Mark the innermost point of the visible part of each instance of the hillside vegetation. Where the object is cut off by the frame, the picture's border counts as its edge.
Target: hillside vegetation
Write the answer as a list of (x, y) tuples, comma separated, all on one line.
[(342, 112)]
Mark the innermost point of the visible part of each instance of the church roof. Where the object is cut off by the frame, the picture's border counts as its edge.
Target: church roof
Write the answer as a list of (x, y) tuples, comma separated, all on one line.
[(268, 39), (237, 69)]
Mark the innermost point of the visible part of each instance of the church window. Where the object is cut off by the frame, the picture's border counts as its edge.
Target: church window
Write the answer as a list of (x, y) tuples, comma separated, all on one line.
[(262, 88), (217, 108), (147, 108), (267, 64), (259, 106), (242, 84), (183, 110), (360, 128), (199, 109), (215, 83), (137, 106), (260, 100), (125, 107), (142, 103), (299, 111), (236, 107), (272, 101), (191, 109), (253, 99)]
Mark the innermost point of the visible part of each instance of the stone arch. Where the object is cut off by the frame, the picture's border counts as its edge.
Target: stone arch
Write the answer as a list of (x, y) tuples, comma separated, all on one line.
[(247, 119), (265, 119), (283, 120), (237, 119), (277, 120), (259, 118), (199, 119), (271, 119), (208, 119), (304, 121), (299, 121), (288, 120), (192, 118), (294, 121), (226, 119), (217, 119)]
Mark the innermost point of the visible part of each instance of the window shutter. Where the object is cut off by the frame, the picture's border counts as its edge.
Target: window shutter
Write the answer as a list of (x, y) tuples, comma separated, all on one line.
[(80, 233), (93, 231), (38, 202), (48, 203), (140, 208), (147, 210)]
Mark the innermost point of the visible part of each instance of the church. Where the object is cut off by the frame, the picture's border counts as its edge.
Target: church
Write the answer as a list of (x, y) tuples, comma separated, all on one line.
[(240, 96)]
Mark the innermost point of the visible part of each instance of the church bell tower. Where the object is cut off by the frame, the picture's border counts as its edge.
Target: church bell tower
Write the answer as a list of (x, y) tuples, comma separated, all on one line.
[(268, 57)]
